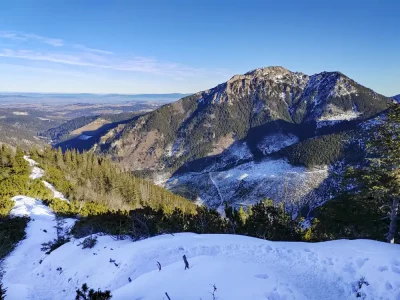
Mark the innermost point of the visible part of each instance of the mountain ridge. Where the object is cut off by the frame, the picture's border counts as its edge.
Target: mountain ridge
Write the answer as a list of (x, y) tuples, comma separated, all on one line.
[(192, 146), (266, 94)]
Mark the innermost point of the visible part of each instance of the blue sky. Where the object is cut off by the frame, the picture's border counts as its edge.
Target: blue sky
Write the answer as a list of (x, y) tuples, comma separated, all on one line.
[(164, 46)]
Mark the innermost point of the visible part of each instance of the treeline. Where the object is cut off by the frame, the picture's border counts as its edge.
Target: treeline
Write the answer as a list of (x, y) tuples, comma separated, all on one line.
[(262, 220), (338, 219), (91, 181)]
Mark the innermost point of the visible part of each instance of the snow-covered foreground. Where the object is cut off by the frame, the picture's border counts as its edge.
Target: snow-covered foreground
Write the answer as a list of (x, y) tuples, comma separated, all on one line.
[(240, 267)]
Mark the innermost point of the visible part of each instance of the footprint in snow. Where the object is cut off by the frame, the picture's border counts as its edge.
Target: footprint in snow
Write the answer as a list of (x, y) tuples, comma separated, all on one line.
[(349, 268), (395, 269), (383, 268), (361, 262), (388, 286), (262, 276), (395, 262)]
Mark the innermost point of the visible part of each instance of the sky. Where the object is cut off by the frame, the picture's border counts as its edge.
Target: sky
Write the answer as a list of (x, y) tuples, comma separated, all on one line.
[(130, 47)]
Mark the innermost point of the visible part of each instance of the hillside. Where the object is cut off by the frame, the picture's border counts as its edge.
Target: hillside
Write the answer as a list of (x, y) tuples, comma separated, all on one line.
[(229, 143), (15, 136), (397, 98)]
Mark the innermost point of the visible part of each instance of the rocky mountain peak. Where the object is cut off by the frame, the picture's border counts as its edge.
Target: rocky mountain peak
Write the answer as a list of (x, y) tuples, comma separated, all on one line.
[(272, 70)]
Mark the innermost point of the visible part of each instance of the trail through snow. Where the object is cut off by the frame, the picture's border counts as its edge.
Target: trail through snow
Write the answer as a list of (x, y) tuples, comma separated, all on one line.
[(20, 264), (39, 173), (240, 267)]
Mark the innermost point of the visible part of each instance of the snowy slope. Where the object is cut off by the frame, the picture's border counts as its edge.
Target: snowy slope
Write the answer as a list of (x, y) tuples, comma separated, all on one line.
[(240, 267), (250, 182)]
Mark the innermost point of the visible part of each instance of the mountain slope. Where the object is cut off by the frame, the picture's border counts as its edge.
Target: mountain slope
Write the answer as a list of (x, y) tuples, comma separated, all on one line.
[(248, 119), (397, 98), (14, 136), (208, 122)]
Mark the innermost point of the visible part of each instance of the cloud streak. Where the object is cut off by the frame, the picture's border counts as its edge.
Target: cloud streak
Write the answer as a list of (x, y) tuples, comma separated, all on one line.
[(28, 36), (136, 64), (74, 54), (84, 48)]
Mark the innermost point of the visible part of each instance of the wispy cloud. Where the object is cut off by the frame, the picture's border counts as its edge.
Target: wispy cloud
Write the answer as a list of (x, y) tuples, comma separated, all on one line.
[(136, 64), (84, 48), (46, 40), (74, 54), (11, 36), (28, 36)]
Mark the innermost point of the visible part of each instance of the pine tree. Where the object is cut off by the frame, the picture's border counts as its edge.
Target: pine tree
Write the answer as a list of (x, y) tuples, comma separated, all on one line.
[(2, 292), (89, 294), (379, 177)]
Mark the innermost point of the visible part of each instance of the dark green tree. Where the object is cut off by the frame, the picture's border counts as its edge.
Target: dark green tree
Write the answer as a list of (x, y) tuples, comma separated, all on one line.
[(3, 291), (379, 177), (84, 293)]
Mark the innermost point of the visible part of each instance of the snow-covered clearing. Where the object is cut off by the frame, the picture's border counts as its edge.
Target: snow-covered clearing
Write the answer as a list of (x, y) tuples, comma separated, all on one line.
[(250, 182), (20, 113), (333, 119), (275, 142), (240, 267)]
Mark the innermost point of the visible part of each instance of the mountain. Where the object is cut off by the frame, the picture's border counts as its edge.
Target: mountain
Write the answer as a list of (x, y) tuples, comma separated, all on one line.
[(397, 98), (226, 143)]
